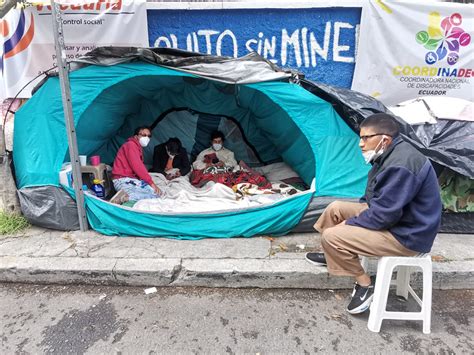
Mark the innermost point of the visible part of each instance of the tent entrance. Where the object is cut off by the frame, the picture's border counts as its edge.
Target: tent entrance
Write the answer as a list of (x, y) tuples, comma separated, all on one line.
[(194, 128)]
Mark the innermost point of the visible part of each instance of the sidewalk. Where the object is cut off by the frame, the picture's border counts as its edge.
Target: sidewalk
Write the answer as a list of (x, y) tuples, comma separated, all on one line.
[(45, 256)]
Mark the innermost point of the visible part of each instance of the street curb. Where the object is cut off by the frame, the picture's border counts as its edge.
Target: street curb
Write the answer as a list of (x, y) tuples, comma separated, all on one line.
[(230, 273)]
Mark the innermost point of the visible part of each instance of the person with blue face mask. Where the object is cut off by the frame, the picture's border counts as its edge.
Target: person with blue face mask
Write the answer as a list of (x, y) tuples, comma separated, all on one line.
[(216, 155), (129, 174), (399, 215)]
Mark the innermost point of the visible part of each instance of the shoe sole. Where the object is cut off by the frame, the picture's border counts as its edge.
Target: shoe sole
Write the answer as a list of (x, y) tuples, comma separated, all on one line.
[(315, 262), (363, 307)]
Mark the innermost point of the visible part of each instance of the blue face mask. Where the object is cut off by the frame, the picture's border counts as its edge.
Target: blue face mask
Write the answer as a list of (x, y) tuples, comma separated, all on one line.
[(371, 155)]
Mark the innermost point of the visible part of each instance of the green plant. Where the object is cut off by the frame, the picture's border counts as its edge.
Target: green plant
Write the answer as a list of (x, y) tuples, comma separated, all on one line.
[(11, 223)]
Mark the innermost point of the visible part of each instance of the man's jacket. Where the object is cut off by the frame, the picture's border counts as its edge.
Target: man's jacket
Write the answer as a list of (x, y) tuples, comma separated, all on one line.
[(180, 161), (403, 197)]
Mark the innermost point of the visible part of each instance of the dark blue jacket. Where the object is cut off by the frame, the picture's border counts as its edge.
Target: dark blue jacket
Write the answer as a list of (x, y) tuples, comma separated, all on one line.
[(403, 197)]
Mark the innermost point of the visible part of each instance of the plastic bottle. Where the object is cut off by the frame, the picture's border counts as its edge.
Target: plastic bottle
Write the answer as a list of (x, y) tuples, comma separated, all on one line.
[(65, 175), (86, 190), (98, 188)]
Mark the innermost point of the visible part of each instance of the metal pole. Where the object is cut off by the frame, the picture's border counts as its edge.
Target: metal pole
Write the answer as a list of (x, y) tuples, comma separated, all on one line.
[(63, 70)]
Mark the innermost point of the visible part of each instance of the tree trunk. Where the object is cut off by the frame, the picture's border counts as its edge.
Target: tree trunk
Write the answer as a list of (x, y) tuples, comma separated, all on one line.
[(8, 197)]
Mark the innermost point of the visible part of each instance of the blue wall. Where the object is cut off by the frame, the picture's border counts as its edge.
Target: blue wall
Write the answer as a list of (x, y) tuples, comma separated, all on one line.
[(319, 42)]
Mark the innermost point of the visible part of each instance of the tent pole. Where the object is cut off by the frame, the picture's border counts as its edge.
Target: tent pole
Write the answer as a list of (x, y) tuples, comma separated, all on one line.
[(63, 70)]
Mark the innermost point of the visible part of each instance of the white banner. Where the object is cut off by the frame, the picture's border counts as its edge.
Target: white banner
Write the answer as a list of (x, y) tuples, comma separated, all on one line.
[(28, 42), (412, 49)]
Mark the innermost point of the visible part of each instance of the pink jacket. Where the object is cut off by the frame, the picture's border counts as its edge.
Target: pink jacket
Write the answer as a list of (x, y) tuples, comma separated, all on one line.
[(129, 162)]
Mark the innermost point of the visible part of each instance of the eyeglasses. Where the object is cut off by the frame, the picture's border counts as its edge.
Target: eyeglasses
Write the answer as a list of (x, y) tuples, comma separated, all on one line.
[(365, 138)]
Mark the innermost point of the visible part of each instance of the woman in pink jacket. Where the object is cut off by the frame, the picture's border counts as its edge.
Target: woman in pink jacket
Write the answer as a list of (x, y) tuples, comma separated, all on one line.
[(129, 173)]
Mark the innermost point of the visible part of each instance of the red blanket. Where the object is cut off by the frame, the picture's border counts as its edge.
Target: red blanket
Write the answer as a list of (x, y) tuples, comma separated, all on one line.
[(199, 178)]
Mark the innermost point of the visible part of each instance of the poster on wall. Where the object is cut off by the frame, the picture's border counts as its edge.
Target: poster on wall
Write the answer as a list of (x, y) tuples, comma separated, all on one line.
[(28, 42), (319, 42), (412, 49)]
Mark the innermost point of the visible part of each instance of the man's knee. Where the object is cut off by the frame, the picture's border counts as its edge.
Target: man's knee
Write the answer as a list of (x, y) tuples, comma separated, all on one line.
[(330, 236), (335, 205)]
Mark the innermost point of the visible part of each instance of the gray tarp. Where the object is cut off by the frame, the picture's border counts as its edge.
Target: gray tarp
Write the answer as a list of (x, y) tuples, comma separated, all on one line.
[(49, 207), (251, 68)]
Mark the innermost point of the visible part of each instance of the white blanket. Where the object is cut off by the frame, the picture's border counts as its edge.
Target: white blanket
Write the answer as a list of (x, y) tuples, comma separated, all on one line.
[(182, 197)]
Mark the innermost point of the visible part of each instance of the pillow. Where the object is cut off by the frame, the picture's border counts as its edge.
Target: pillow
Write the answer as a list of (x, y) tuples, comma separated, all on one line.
[(277, 171)]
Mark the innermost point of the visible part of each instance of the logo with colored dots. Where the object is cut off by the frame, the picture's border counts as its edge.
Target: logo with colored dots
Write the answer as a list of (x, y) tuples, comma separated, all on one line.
[(443, 39)]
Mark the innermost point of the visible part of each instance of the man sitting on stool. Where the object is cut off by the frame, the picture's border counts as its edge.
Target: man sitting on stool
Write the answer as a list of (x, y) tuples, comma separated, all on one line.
[(399, 214)]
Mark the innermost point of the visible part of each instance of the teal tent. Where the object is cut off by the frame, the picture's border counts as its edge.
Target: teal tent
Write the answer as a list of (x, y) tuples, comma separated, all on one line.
[(277, 119)]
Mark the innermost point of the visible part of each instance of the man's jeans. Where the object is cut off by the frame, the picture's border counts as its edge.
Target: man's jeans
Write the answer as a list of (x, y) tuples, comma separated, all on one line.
[(135, 189)]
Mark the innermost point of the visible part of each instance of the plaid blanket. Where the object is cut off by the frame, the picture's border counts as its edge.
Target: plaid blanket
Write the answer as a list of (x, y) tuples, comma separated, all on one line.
[(229, 178)]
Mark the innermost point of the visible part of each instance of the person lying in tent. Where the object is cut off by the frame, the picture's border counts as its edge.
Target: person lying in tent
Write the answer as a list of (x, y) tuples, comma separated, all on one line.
[(216, 155), (218, 164), (399, 215), (129, 173), (171, 159)]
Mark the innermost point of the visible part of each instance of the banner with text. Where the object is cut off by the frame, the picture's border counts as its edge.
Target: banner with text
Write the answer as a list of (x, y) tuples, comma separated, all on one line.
[(28, 42), (320, 42), (410, 49)]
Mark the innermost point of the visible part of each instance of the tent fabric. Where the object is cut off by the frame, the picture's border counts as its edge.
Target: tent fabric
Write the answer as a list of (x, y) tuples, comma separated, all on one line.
[(281, 120), (250, 68), (276, 219)]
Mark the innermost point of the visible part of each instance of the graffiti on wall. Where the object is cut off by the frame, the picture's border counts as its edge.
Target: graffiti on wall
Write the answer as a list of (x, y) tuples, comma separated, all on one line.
[(320, 42)]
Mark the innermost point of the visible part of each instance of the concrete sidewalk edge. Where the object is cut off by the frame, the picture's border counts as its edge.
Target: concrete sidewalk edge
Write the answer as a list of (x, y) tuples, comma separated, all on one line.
[(231, 273)]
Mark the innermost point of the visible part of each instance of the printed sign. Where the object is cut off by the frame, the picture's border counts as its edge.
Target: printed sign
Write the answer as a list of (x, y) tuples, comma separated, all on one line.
[(28, 42), (320, 42), (407, 50)]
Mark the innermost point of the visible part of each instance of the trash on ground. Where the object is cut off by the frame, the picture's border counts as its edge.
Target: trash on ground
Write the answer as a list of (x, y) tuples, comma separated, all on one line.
[(438, 258), (283, 247), (150, 290)]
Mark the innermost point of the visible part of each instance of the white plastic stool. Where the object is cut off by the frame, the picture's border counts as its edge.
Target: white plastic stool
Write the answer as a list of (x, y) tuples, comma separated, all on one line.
[(385, 268)]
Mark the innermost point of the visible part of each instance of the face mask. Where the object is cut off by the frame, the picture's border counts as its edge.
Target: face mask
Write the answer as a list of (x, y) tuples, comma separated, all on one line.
[(371, 155), (217, 146), (144, 141)]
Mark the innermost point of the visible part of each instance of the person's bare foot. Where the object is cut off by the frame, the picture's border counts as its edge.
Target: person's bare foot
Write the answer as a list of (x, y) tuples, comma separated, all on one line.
[(119, 198)]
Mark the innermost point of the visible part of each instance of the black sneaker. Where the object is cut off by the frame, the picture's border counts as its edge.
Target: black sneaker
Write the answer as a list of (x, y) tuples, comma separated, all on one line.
[(361, 297), (316, 258)]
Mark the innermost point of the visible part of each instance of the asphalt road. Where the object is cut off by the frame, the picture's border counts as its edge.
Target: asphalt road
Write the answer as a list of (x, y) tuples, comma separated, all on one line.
[(108, 320)]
